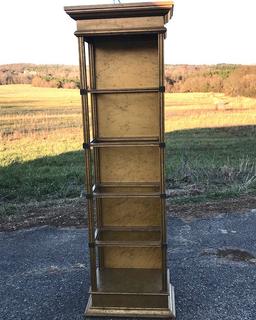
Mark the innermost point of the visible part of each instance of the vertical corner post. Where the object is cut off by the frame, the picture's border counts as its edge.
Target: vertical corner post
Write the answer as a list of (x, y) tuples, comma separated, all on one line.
[(162, 160), (96, 151), (88, 173)]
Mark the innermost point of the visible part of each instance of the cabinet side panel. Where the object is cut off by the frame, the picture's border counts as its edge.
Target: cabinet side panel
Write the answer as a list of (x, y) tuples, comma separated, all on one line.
[(125, 62), (129, 164)]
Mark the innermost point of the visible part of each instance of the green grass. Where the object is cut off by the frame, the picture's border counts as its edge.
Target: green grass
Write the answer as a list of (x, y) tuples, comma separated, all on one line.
[(211, 146), (211, 163)]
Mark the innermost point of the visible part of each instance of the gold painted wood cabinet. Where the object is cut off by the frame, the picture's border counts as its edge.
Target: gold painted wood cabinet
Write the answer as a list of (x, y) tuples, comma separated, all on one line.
[(123, 117)]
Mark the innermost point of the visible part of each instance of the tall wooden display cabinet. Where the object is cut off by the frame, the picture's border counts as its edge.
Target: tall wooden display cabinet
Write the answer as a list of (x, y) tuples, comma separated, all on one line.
[(124, 155)]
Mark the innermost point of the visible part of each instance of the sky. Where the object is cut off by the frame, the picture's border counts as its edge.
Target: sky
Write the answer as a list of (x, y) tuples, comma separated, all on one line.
[(200, 32)]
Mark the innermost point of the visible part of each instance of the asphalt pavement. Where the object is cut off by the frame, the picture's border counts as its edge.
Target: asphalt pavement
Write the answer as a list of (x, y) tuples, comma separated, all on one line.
[(44, 271)]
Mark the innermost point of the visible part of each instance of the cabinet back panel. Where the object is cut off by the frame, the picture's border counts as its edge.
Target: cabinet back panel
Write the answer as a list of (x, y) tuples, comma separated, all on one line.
[(126, 212), (129, 164), (118, 257), (125, 62), (128, 115)]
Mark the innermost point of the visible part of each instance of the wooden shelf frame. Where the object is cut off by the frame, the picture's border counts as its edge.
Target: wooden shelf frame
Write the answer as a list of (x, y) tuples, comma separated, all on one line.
[(124, 150), (98, 190)]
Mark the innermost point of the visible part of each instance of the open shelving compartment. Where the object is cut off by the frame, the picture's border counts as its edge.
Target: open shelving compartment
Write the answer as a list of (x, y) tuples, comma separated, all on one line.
[(126, 183)]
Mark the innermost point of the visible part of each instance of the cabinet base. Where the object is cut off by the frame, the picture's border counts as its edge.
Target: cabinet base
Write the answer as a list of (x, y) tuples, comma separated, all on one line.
[(164, 313)]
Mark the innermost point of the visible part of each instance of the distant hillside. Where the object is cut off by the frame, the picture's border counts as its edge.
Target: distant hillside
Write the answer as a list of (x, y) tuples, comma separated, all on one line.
[(230, 79), (56, 76)]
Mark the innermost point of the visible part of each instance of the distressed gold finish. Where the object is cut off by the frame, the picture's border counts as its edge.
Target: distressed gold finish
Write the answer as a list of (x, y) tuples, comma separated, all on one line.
[(119, 23), (120, 117), (124, 143), (131, 212), (111, 58)]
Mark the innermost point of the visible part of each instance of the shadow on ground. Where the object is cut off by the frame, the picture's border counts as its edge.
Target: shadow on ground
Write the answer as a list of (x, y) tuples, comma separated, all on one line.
[(197, 161)]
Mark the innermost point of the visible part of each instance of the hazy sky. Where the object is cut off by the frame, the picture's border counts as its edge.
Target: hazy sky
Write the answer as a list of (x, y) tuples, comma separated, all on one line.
[(201, 32)]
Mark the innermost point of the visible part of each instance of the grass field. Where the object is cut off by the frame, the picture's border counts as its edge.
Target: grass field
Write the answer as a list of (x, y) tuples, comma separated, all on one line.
[(211, 145)]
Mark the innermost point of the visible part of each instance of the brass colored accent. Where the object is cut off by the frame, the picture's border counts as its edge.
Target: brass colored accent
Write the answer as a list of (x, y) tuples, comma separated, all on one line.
[(124, 151), (115, 32)]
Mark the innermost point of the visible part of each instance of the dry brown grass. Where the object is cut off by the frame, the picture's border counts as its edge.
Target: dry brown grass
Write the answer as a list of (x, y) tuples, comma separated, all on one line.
[(41, 138)]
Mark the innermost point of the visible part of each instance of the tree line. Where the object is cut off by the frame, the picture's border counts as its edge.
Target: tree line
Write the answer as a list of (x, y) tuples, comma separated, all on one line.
[(233, 80), (52, 76)]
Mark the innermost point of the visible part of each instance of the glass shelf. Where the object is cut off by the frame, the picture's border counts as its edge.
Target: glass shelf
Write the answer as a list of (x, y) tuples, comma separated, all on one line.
[(113, 190), (132, 142), (129, 237)]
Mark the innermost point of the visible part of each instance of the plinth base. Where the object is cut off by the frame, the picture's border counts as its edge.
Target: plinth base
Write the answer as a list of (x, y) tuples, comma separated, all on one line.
[(121, 312)]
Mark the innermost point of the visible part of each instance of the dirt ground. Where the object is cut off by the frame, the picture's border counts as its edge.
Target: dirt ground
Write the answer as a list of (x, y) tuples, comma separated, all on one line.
[(72, 212)]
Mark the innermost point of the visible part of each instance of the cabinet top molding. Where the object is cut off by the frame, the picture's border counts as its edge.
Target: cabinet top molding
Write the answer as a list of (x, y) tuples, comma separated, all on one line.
[(123, 10)]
